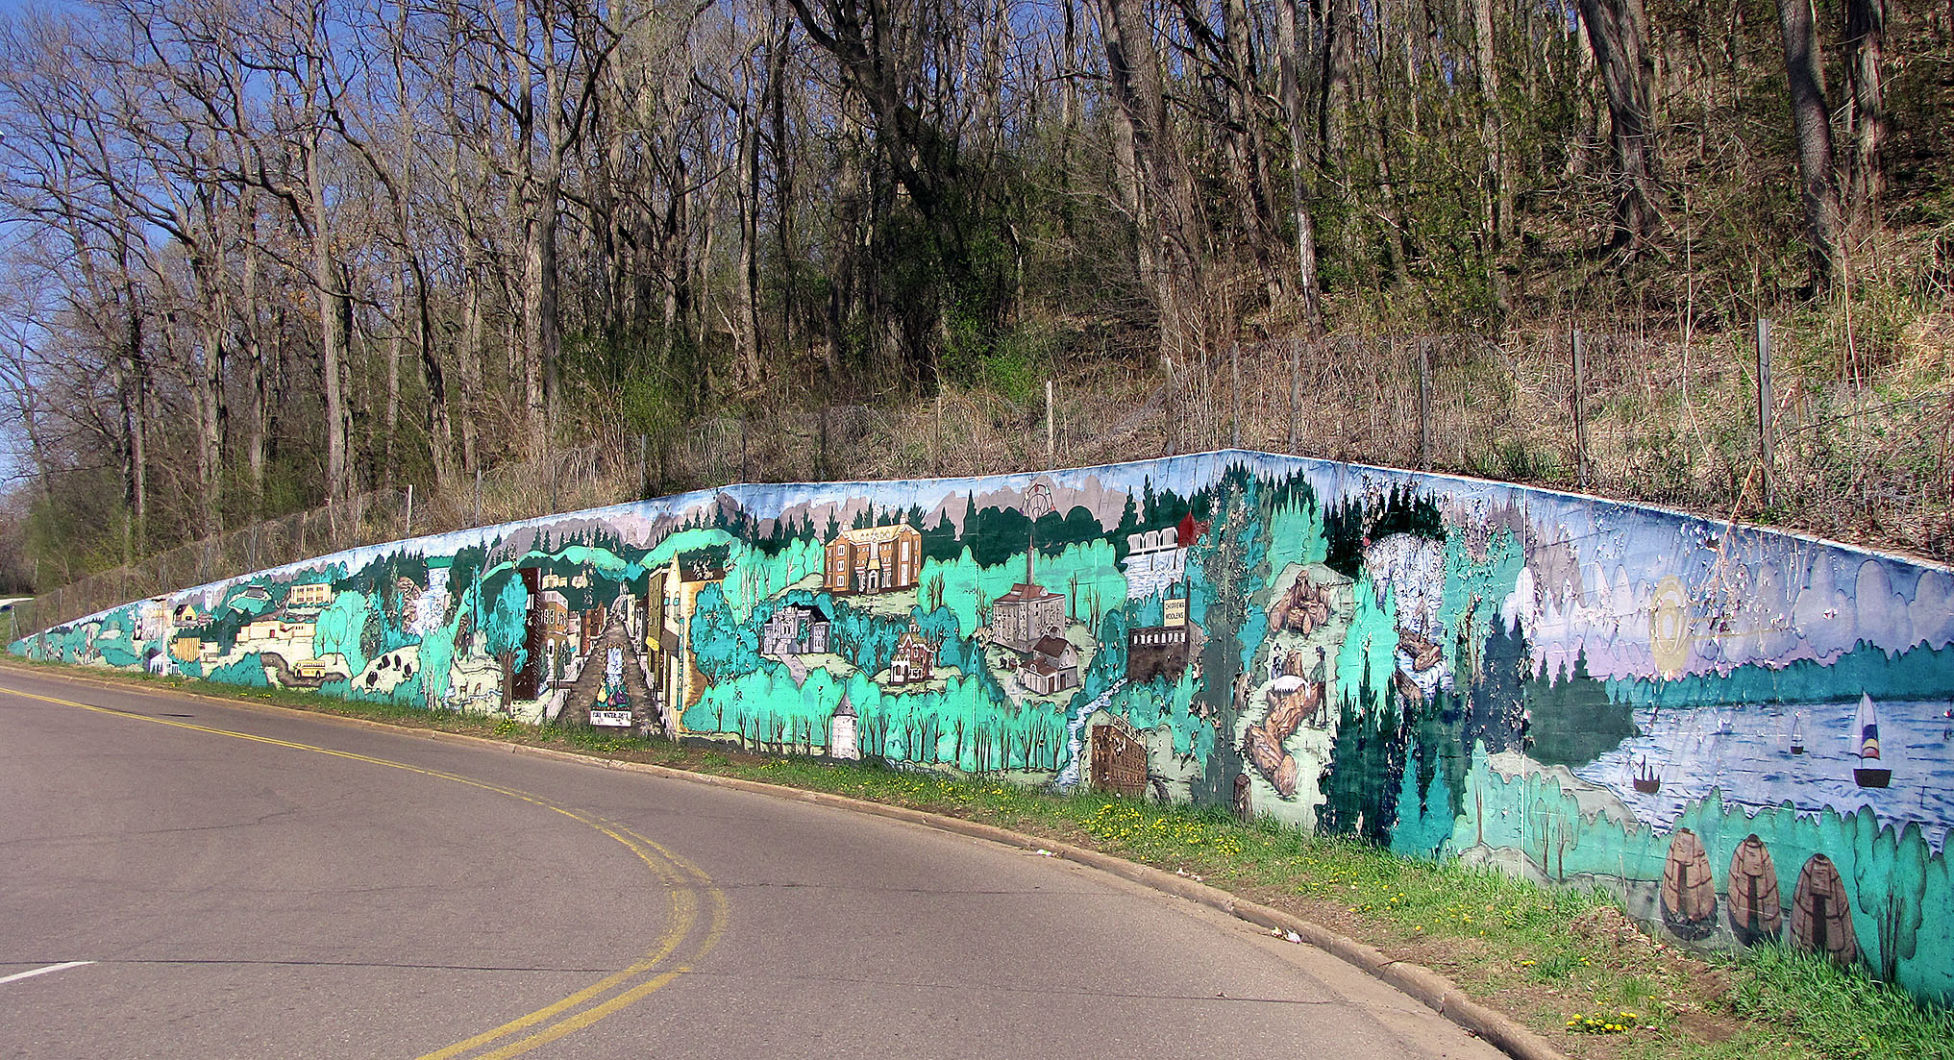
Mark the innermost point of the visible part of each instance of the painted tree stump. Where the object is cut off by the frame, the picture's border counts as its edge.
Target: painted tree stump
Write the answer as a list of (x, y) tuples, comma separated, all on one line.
[(1689, 896), (1821, 915), (1755, 906)]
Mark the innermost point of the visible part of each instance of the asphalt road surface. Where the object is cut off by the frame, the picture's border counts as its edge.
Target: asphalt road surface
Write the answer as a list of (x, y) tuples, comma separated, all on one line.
[(180, 877)]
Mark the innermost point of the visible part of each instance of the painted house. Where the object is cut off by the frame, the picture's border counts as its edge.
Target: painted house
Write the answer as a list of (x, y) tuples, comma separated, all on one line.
[(310, 594), (796, 630), (277, 629), (1052, 666), (875, 559), (1026, 615), (914, 660), (553, 613), (673, 596)]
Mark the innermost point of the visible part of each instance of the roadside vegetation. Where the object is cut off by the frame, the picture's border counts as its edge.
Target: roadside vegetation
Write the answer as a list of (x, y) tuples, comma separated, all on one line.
[(1569, 964)]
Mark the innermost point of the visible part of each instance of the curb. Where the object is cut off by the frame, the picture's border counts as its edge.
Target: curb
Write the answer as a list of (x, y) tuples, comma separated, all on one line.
[(1422, 984)]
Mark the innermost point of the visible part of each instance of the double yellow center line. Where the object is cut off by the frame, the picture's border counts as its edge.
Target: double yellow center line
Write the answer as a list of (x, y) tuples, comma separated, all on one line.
[(690, 934)]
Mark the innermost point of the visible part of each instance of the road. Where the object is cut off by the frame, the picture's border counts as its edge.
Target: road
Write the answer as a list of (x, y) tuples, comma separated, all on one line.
[(252, 882)]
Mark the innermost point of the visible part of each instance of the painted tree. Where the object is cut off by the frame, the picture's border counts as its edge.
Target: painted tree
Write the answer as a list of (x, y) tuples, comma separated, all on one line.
[(1232, 565), (506, 627)]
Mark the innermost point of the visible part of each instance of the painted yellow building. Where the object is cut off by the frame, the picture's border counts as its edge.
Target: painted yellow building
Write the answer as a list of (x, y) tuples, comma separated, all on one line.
[(310, 594), (672, 599)]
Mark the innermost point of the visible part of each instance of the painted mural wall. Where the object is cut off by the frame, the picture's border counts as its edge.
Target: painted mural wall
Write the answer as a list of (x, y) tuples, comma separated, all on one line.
[(1745, 734)]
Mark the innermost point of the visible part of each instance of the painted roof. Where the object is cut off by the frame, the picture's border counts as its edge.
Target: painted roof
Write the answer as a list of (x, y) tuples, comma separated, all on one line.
[(1052, 646), (875, 534)]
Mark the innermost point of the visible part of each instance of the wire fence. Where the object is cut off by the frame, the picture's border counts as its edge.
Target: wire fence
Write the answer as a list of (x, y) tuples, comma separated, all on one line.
[(1633, 418)]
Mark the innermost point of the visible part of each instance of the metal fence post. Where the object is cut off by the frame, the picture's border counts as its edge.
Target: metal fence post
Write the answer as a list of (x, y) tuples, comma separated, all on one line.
[(1424, 405), (1764, 408), (1235, 398), (1580, 413), (1051, 435), (1295, 387), (1172, 413)]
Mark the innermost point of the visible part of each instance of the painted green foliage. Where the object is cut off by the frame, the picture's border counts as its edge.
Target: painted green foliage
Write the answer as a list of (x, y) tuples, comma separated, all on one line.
[(341, 629), (1367, 658), (1361, 789), (1231, 564), (1424, 813), (1087, 573), (1573, 720)]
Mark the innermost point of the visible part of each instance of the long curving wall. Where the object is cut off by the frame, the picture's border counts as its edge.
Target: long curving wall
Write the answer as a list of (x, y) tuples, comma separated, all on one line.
[(1743, 733)]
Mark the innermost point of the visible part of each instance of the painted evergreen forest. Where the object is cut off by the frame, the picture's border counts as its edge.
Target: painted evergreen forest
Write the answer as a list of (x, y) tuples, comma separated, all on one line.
[(1743, 733)]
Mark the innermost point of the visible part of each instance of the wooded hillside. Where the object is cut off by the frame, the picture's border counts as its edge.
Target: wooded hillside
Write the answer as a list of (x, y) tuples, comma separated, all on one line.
[(267, 254)]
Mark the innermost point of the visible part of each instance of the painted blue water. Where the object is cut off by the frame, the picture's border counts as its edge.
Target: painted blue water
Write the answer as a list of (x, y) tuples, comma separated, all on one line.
[(1746, 752)]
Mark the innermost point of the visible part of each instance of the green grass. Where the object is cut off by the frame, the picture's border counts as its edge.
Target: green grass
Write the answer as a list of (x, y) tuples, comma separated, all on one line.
[(1840, 1013), (1546, 956)]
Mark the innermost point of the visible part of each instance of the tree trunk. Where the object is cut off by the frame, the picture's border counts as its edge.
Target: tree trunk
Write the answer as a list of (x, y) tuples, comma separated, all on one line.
[(1618, 35), (211, 412), (1289, 69), (258, 396), (1333, 98), (783, 156), (1492, 127), (1865, 42), (333, 339), (396, 344), (540, 337), (473, 354), (440, 431), (747, 325), (1812, 127), (135, 412), (1248, 153), (1167, 198)]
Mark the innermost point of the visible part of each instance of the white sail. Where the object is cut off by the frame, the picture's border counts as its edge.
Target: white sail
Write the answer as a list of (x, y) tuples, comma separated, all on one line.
[(1868, 728)]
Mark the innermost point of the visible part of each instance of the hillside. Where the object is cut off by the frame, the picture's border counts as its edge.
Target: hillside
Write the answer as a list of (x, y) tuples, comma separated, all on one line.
[(262, 285)]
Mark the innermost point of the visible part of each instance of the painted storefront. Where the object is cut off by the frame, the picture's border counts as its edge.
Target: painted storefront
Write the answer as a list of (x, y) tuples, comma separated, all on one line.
[(1745, 734)]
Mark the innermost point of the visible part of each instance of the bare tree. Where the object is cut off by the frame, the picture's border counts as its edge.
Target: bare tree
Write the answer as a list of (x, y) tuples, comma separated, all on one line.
[(1811, 126), (1618, 34), (1865, 46)]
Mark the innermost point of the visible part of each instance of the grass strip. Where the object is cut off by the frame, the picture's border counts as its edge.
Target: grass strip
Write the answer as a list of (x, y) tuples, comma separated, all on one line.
[(1567, 963)]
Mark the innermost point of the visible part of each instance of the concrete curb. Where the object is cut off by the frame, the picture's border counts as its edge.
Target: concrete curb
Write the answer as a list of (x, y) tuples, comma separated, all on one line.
[(1433, 990)]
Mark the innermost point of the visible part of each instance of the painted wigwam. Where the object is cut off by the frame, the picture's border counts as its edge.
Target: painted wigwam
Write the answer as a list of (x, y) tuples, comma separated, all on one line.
[(1566, 689)]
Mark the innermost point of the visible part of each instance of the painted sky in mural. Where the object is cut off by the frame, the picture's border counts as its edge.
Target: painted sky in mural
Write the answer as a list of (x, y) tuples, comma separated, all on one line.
[(1743, 733)]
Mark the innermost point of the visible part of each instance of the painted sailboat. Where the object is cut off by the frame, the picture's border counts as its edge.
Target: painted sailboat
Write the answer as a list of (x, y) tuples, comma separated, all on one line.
[(1645, 779), (1798, 733), (1871, 772)]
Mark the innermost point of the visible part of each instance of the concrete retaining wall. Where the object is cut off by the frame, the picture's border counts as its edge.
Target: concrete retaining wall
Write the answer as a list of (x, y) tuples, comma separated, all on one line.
[(1573, 690)]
